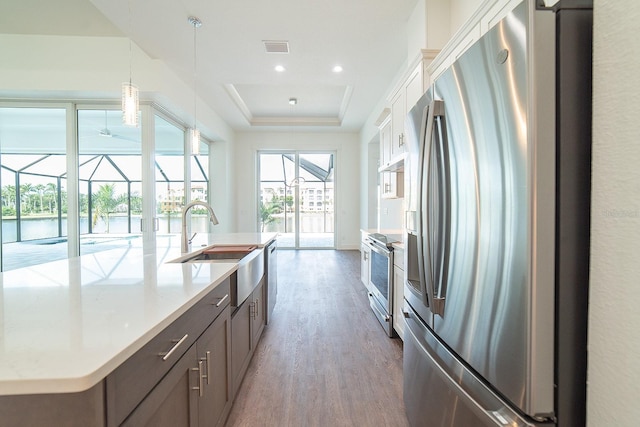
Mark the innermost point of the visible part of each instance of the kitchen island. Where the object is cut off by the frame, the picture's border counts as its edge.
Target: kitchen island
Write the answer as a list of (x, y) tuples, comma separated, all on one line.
[(67, 325)]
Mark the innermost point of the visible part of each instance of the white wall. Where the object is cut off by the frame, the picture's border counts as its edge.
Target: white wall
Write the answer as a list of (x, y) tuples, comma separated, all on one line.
[(614, 313), (417, 29), (369, 157), (428, 26), (223, 186), (461, 11), (391, 214), (372, 191), (348, 196), (93, 68)]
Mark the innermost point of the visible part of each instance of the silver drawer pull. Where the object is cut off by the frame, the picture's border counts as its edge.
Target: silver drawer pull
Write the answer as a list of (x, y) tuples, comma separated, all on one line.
[(221, 301), (166, 355), (200, 387), (208, 359)]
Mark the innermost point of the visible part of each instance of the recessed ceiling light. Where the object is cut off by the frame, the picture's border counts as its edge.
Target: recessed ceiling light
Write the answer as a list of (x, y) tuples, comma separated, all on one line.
[(337, 69), (279, 68)]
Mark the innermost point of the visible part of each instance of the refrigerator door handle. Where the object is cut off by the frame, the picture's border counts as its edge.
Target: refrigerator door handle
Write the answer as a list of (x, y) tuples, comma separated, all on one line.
[(430, 248), (425, 147), (441, 255)]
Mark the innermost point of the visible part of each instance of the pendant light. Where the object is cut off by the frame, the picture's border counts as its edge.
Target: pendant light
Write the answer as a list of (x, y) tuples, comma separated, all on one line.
[(195, 133), (130, 98)]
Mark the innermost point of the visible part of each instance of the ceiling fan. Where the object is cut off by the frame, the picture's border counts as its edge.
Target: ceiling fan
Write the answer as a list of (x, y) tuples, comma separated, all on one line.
[(106, 132)]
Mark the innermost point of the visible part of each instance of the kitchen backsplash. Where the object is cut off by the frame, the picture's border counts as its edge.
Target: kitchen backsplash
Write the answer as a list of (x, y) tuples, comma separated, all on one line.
[(391, 214)]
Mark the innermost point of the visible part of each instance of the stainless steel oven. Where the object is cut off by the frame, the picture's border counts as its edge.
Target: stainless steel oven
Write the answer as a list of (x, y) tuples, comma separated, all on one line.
[(381, 280)]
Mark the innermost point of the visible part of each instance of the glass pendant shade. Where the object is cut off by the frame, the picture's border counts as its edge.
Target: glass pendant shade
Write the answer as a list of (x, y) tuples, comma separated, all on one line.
[(195, 141), (130, 104)]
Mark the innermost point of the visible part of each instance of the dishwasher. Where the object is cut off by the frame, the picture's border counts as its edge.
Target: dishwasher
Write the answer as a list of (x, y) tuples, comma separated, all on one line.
[(271, 270)]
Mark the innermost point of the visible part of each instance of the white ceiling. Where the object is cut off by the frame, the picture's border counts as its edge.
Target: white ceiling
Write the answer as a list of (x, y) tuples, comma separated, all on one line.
[(236, 77)]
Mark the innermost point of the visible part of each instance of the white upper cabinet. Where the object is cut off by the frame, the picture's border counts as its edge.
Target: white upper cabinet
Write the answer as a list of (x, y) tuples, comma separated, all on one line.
[(385, 142), (403, 97), (397, 126), (485, 17), (391, 182)]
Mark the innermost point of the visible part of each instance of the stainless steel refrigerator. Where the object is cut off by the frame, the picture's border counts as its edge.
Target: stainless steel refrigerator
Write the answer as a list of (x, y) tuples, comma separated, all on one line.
[(497, 244)]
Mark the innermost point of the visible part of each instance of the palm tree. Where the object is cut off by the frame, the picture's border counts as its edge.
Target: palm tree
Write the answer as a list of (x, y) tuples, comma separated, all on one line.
[(39, 188), (50, 191), (136, 203), (9, 195), (104, 203), (288, 201), (9, 200), (26, 191), (266, 214)]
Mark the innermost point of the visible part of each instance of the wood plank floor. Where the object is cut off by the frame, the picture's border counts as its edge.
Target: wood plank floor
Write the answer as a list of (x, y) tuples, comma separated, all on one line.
[(324, 360)]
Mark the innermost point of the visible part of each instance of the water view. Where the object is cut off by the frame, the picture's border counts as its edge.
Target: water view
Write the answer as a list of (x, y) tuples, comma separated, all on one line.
[(35, 228)]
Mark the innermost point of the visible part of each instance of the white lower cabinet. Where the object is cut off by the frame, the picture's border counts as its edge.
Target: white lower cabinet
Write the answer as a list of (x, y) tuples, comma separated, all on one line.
[(398, 290), (365, 254)]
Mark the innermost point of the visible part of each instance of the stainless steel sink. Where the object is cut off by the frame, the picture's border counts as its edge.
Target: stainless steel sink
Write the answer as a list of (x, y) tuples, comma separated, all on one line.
[(218, 256), (247, 277)]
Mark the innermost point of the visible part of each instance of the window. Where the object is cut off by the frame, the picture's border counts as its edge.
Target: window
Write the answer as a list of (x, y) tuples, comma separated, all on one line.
[(107, 198), (110, 179), (299, 219), (34, 185)]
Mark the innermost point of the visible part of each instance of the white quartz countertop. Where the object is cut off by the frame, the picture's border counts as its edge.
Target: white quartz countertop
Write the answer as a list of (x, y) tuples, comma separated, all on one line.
[(65, 325)]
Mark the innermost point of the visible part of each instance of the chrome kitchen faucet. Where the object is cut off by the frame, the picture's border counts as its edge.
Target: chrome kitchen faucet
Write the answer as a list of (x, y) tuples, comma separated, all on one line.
[(212, 217)]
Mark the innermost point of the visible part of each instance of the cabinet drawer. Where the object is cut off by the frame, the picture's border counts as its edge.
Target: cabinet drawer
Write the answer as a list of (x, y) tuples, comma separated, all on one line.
[(213, 303), (131, 381)]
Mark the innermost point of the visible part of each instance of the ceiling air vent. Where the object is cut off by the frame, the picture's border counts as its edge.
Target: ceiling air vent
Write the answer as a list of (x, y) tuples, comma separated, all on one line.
[(275, 46)]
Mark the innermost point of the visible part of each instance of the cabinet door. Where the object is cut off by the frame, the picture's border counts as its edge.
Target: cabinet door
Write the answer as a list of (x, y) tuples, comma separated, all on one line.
[(365, 253), (465, 43), (385, 143), (391, 185), (386, 181), (398, 300), (258, 318), (214, 350), (240, 342), (128, 384), (397, 124), (414, 88), (174, 400)]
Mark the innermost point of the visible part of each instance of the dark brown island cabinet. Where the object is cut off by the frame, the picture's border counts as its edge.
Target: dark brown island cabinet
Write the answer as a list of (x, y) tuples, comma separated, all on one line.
[(247, 324), (196, 391), (187, 375)]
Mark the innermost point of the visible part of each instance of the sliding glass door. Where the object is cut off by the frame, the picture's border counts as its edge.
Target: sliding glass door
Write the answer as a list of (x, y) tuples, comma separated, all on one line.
[(316, 178), (34, 185), (110, 175), (73, 179), (297, 193)]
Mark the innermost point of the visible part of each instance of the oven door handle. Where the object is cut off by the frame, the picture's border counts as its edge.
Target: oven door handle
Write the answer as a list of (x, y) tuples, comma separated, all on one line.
[(376, 248)]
